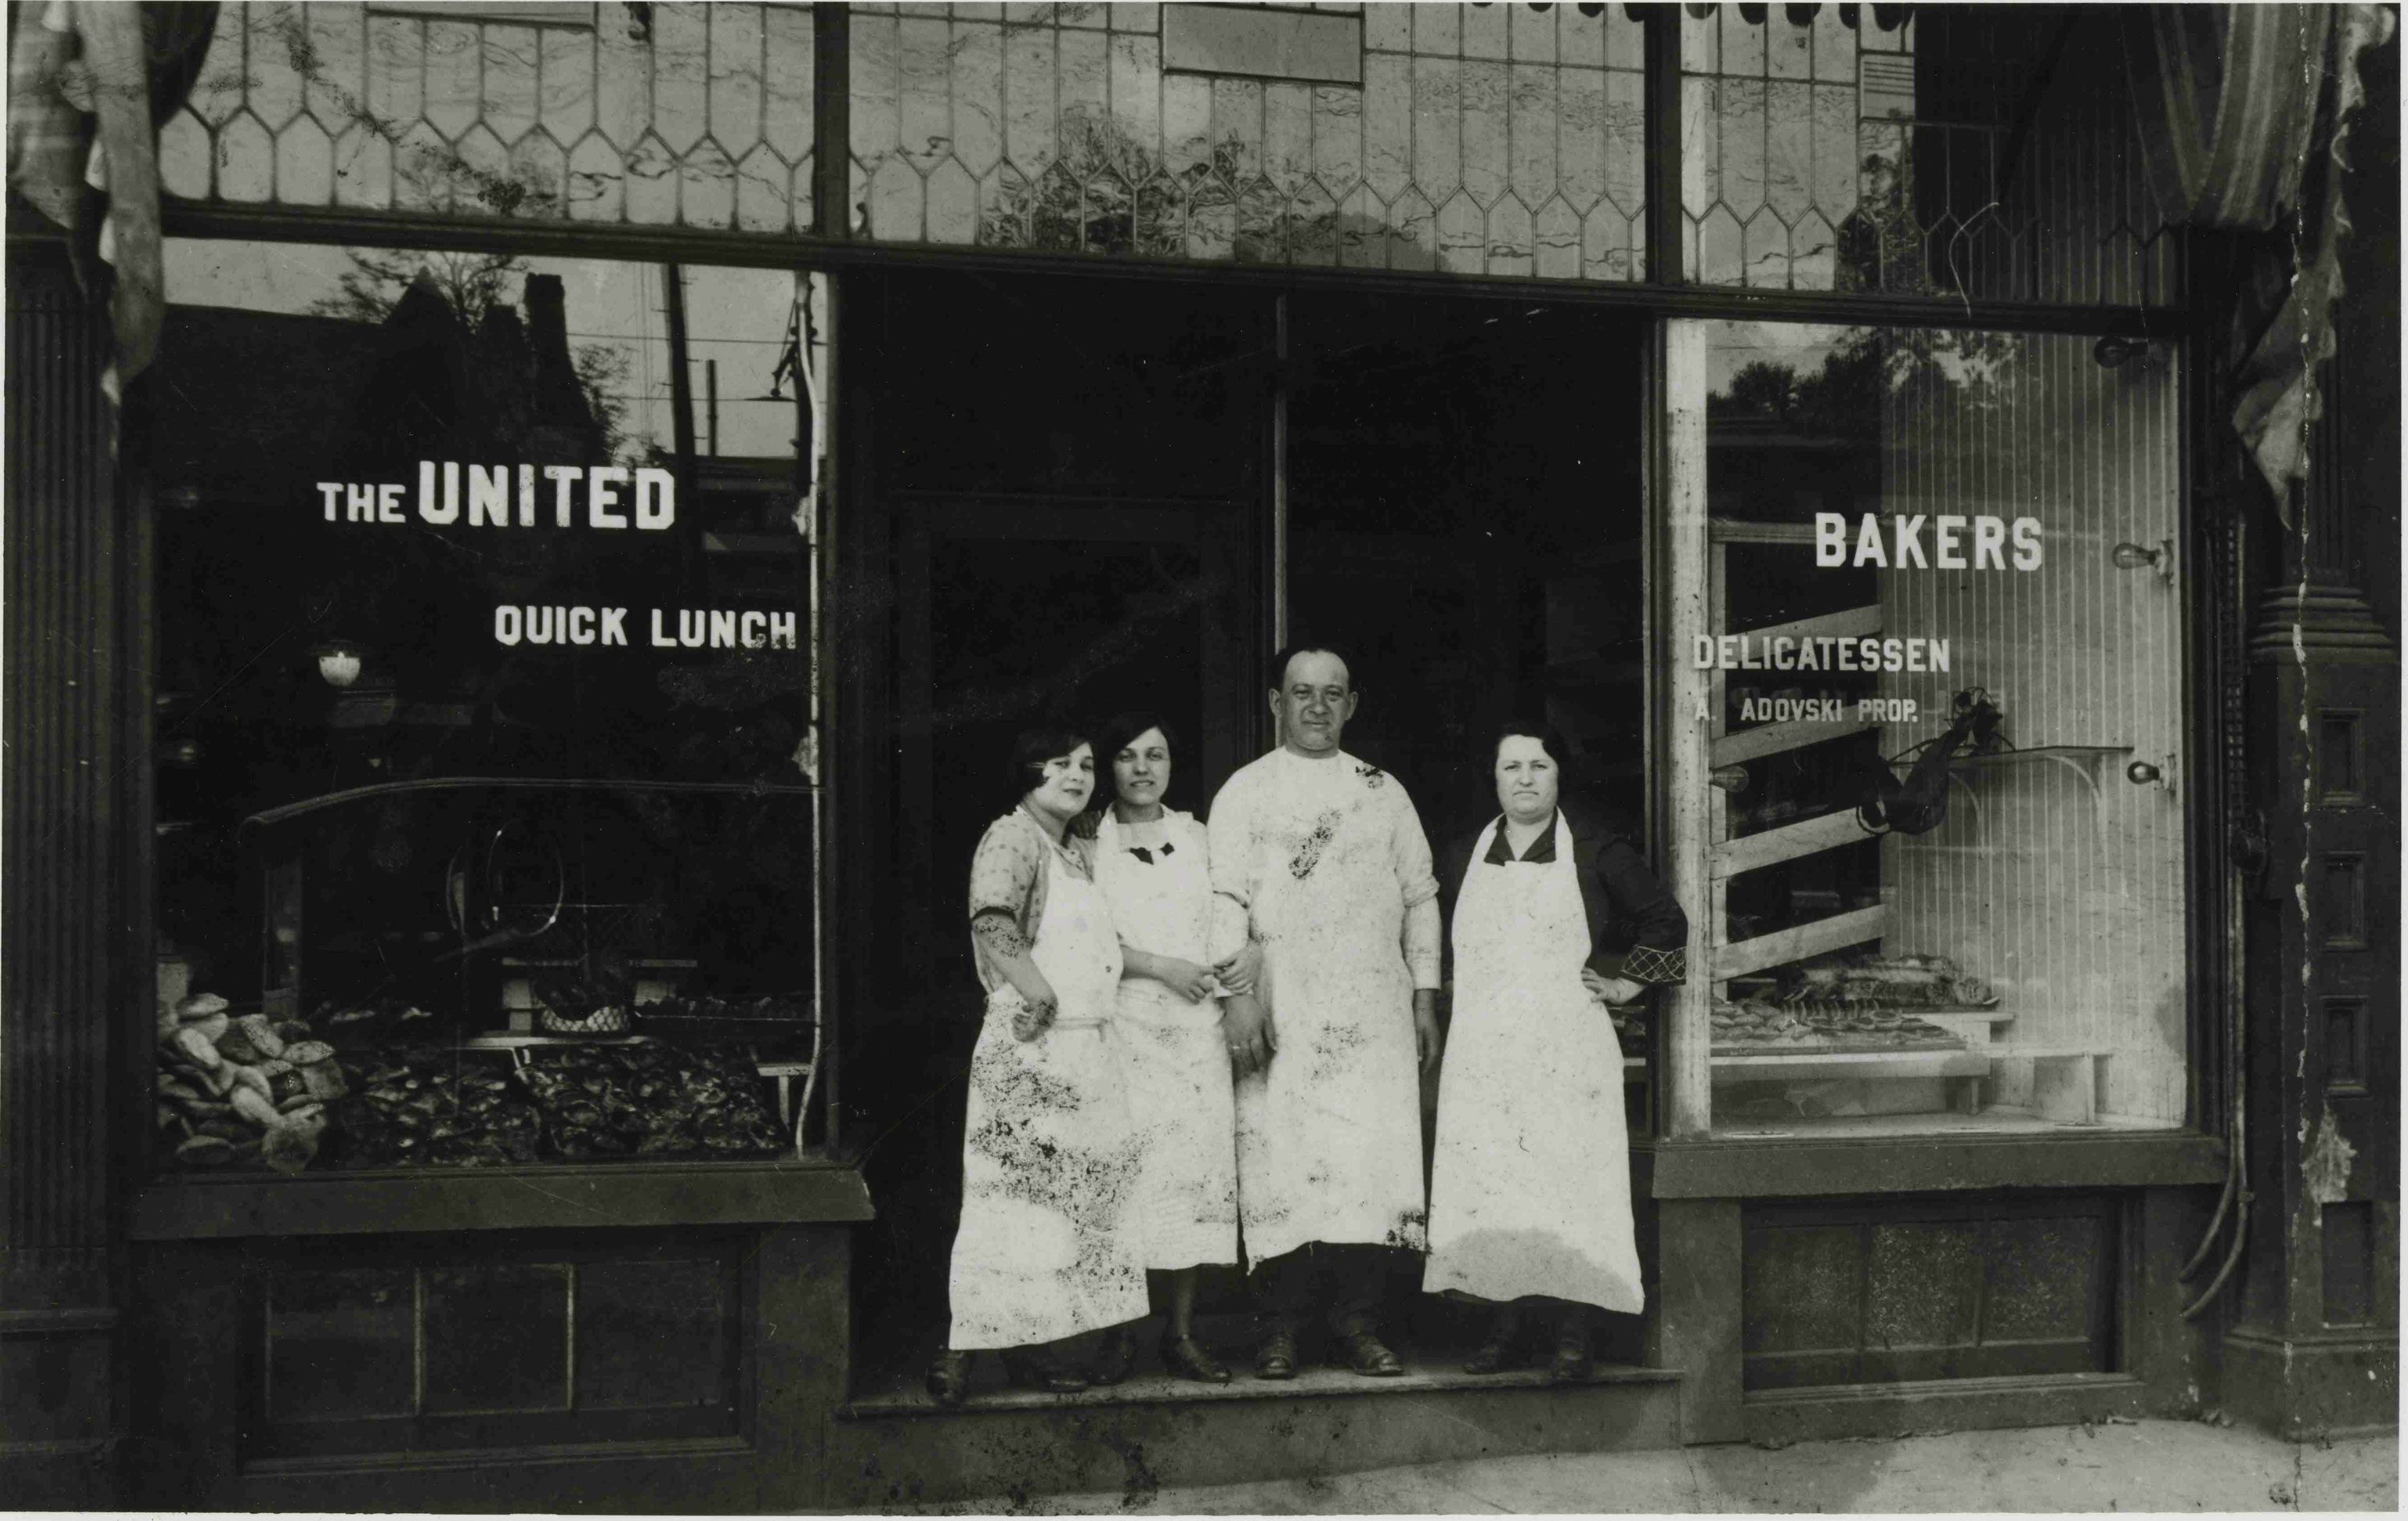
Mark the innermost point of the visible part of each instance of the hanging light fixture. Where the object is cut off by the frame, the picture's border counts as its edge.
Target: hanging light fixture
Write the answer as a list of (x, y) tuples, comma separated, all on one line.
[(338, 661)]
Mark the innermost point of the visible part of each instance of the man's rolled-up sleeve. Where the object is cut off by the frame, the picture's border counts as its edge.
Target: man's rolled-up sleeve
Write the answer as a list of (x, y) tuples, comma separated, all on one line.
[(1228, 837)]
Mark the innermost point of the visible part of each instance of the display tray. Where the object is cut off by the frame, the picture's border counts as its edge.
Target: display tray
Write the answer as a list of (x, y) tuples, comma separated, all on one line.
[(1836, 1046), (1798, 1065), (779, 1018), (248, 1092)]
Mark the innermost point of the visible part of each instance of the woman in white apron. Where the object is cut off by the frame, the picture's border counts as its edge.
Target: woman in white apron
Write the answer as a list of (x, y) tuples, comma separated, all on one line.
[(1151, 863), (1048, 1161), (1531, 1185)]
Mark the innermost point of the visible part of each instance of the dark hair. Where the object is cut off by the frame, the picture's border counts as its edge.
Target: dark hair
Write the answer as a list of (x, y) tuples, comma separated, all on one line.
[(1115, 734), (1280, 662), (1533, 729), (1034, 748)]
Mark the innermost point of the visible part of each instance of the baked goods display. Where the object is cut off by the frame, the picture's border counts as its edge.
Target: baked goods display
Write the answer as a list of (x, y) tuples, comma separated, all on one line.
[(645, 1099), (1933, 984), (432, 1105), (241, 1091), (722, 1019), (1871, 1005), (1756, 1027)]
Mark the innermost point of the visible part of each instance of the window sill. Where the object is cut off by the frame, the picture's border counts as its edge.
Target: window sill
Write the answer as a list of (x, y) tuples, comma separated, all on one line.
[(1777, 1167), (789, 1191)]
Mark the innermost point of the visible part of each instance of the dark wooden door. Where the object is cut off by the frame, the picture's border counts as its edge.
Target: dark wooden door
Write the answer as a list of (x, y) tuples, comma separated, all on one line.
[(1013, 613)]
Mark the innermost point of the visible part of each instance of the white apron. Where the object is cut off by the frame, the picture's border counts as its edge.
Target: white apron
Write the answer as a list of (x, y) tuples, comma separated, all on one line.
[(1048, 1166), (1531, 1185), (1173, 1059), (1329, 1135)]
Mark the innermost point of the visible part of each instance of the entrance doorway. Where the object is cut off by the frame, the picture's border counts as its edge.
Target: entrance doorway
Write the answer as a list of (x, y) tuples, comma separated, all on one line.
[(1076, 495), (1012, 614), (1071, 502)]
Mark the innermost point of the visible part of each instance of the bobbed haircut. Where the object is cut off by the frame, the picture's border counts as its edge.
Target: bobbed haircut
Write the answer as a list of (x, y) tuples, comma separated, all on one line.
[(1533, 729), (1278, 672), (1034, 748), (1115, 734)]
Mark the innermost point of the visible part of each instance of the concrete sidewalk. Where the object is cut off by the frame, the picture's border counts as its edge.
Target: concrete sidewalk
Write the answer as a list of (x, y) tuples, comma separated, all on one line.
[(2117, 1466)]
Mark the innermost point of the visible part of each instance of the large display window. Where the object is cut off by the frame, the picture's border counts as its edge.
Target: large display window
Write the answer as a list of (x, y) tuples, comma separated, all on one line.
[(1926, 729), (487, 812)]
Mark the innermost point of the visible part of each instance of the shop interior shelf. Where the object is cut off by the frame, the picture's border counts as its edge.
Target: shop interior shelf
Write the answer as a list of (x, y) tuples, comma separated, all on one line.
[(1801, 1066), (1784, 1065)]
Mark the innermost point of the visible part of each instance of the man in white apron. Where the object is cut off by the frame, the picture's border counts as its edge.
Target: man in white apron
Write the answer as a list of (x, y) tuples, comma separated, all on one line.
[(1322, 858)]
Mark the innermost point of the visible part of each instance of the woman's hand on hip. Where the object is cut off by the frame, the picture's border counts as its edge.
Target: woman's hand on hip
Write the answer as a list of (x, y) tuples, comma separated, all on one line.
[(1246, 1030), (1611, 990)]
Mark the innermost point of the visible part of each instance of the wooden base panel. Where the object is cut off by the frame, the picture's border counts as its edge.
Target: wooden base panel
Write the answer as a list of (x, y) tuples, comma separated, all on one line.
[(1901, 1409), (1010, 1451)]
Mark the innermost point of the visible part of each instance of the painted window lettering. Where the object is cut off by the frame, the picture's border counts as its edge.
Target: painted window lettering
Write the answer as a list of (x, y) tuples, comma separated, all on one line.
[(1955, 541), (1819, 651), (612, 495)]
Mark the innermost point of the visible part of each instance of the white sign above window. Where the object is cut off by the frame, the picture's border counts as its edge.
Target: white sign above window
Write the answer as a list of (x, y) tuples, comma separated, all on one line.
[(1263, 42)]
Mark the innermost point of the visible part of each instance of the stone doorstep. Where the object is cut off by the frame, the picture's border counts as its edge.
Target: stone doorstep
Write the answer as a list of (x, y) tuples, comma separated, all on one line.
[(893, 1396), (892, 1448)]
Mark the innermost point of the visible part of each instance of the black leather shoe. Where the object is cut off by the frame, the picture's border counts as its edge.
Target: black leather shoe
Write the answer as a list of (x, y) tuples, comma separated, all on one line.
[(1276, 1357), (1028, 1368), (1115, 1358), (1496, 1352), (1571, 1361), (1187, 1357), (948, 1377), (1370, 1357)]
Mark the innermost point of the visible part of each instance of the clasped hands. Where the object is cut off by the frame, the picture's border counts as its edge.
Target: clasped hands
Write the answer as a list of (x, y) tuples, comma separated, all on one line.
[(1233, 977)]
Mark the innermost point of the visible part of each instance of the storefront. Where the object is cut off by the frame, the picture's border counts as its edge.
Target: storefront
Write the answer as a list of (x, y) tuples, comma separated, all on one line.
[(535, 639)]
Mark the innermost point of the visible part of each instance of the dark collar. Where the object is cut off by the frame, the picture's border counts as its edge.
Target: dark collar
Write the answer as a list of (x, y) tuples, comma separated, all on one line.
[(1541, 852)]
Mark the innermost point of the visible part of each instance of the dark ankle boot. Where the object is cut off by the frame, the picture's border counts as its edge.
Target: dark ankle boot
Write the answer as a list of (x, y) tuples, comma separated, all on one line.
[(1495, 1354), (1571, 1362), (1039, 1368), (1115, 1358), (948, 1377), (1191, 1360)]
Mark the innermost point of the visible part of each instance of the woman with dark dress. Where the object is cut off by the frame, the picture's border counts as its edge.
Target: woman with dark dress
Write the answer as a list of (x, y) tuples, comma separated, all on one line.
[(1530, 1181)]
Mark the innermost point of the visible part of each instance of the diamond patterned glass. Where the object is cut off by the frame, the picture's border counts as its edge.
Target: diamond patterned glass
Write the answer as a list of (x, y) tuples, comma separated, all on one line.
[(1987, 152), (687, 115), (1498, 139)]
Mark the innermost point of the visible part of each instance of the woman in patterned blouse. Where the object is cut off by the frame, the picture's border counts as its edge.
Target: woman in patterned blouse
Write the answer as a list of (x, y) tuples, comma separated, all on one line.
[(1048, 1163)]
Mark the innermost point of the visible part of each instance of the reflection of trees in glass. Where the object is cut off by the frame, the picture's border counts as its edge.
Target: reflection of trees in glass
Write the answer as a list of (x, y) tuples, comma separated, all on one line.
[(1858, 385), (1108, 192), (1881, 244), (472, 285)]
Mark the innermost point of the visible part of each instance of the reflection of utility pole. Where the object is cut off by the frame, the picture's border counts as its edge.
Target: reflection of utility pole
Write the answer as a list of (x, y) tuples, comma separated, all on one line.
[(680, 382), (681, 416)]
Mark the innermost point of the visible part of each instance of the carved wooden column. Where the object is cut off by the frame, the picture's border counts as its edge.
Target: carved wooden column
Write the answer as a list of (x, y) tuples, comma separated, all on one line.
[(65, 976), (2314, 1349)]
